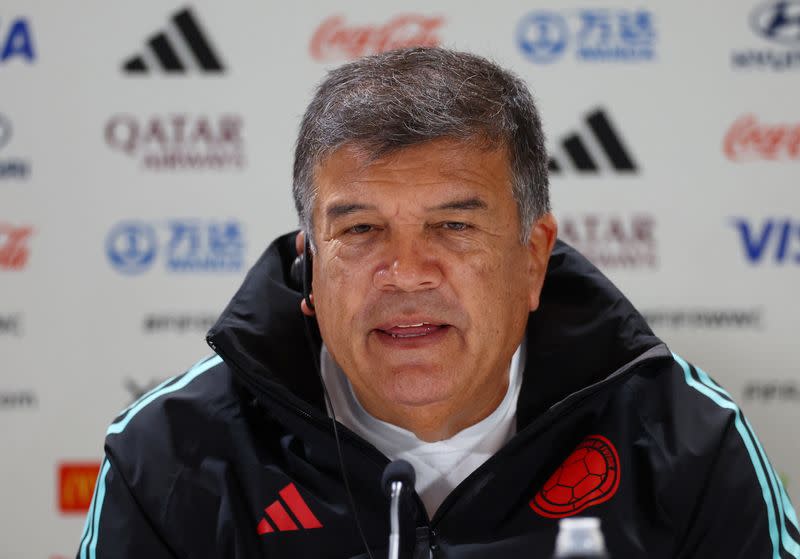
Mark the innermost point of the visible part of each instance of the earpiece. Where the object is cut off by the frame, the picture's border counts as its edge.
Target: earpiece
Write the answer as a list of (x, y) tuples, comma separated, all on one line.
[(300, 273)]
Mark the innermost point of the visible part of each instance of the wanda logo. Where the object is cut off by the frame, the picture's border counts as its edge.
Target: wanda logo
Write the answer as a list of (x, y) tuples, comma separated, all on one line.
[(749, 140), (13, 246), (334, 39)]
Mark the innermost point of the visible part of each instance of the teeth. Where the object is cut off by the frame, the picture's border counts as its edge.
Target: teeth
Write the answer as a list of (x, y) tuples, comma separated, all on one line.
[(411, 335), (411, 325)]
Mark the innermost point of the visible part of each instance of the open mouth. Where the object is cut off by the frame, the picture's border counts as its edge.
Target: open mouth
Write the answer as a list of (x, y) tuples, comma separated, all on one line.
[(415, 330)]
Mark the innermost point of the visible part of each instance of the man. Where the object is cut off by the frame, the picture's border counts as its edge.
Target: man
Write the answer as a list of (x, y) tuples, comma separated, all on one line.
[(451, 330)]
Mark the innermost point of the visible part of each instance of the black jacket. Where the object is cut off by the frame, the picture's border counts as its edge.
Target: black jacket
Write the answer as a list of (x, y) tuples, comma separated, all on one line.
[(237, 458)]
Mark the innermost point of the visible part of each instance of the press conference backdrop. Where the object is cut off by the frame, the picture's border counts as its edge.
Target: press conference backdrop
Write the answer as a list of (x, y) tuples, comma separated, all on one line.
[(145, 163)]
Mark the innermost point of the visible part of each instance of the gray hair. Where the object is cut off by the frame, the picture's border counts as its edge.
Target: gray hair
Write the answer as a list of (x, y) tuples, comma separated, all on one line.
[(404, 97)]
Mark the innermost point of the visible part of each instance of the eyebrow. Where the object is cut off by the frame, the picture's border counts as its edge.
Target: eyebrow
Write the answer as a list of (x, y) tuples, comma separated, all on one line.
[(474, 203), (340, 210)]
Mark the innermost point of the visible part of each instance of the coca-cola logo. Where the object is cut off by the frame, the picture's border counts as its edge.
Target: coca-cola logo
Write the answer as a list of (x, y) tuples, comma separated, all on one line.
[(13, 246), (334, 39), (749, 140)]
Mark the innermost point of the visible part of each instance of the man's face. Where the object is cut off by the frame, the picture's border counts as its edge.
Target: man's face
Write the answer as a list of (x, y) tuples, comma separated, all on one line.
[(422, 287)]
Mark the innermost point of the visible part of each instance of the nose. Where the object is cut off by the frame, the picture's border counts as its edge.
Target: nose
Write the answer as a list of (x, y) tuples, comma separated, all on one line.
[(409, 265)]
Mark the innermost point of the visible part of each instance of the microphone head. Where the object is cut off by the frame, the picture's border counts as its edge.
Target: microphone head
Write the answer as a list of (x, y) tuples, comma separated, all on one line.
[(401, 471)]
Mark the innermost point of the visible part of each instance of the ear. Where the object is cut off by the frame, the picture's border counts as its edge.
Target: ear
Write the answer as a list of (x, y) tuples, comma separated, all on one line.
[(304, 308), (540, 246)]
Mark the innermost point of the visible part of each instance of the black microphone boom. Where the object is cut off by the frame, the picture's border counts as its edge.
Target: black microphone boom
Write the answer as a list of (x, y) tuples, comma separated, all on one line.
[(401, 471)]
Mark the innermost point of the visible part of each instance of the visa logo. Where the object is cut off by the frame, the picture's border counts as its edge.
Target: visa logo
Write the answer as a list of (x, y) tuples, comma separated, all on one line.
[(76, 486), (775, 240), (16, 40)]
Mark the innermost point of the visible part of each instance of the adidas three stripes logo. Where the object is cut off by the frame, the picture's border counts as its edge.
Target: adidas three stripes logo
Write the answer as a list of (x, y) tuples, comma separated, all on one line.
[(577, 148), (179, 49), (280, 518)]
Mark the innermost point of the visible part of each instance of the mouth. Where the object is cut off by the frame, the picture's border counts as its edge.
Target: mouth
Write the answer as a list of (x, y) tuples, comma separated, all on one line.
[(415, 330), (411, 333)]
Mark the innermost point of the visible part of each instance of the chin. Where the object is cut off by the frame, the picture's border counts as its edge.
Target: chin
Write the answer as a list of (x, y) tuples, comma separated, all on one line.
[(417, 388)]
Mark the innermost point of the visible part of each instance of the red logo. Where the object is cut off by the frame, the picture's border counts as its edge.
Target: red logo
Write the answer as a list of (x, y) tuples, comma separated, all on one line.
[(280, 519), (76, 485), (589, 476), (335, 40), (748, 140), (13, 249)]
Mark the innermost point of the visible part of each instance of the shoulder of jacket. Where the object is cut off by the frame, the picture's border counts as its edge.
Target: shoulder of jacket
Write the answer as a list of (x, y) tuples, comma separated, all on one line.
[(178, 408)]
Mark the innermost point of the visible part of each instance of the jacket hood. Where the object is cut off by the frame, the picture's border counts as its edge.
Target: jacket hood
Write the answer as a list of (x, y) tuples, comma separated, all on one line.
[(583, 331)]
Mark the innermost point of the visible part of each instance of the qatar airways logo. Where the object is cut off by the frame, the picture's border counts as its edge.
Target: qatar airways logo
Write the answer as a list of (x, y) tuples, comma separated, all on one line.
[(335, 39), (179, 141), (613, 241), (750, 140)]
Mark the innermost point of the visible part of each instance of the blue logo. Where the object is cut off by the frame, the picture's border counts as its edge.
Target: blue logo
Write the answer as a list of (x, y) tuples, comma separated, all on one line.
[(597, 35), (131, 247), (776, 240), (183, 245), (16, 41), (777, 21), (10, 167), (542, 36)]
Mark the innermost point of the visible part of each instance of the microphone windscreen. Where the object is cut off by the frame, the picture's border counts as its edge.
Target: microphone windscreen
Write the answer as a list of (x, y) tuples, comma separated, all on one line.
[(399, 470)]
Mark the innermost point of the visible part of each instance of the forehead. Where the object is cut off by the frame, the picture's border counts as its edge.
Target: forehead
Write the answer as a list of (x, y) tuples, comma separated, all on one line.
[(439, 165)]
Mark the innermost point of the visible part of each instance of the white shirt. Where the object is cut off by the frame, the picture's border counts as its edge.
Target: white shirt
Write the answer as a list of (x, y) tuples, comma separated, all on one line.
[(440, 466)]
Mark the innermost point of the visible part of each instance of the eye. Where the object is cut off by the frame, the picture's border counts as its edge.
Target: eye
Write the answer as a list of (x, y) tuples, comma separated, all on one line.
[(359, 229), (455, 226)]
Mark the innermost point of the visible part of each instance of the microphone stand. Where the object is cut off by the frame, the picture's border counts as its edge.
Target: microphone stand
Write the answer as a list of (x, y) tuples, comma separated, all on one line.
[(398, 476), (394, 520)]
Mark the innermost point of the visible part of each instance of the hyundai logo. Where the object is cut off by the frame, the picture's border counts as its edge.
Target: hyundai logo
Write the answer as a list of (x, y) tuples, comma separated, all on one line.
[(777, 21)]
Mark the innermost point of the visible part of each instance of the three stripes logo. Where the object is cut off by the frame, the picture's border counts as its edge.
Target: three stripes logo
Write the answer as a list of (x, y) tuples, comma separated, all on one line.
[(280, 518), (181, 48), (581, 149)]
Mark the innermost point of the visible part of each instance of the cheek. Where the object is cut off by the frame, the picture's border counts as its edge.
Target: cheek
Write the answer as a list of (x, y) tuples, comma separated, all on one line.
[(495, 289), (337, 288)]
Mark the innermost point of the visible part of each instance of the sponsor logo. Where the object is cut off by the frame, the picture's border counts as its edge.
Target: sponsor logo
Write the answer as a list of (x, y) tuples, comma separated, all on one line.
[(183, 245), (76, 482), (334, 39), (11, 324), (588, 477), (16, 41), (14, 250), (137, 390), (768, 391), (777, 24), (581, 149), (18, 399), (711, 319), (279, 519), (11, 168), (593, 35), (773, 240), (183, 47), (159, 323), (613, 241), (178, 142), (749, 140)]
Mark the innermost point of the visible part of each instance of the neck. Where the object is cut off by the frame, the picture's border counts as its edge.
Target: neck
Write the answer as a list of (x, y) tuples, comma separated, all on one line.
[(440, 420)]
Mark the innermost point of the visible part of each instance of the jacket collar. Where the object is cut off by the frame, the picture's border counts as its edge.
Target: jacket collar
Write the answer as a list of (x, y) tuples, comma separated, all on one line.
[(583, 331)]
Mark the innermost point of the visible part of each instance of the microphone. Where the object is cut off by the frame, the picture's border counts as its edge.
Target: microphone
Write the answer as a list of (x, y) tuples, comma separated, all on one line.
[(397, 476)]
